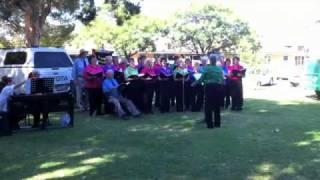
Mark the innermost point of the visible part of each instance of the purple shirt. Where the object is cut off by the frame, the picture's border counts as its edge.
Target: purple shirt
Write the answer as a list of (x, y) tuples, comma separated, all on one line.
[(108, 67), (190, 68), (167, 71), (157, 68)]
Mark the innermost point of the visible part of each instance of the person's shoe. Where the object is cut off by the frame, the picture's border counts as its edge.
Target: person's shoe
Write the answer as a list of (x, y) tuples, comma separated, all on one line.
[(239, 109), (233, 109)]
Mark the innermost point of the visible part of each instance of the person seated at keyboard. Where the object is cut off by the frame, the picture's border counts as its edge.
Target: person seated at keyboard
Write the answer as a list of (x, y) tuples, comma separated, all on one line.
[(37, 108), (7, 91), (110, 89)]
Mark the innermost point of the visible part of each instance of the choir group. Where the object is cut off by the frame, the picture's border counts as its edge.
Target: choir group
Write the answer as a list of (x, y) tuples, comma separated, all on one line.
[(129, 88)]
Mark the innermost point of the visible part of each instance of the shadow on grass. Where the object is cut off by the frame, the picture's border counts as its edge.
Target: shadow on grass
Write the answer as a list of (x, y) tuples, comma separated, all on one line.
[(268, 140)]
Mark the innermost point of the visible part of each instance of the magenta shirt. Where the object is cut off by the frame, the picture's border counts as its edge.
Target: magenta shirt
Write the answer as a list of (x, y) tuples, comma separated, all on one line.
[(234, 67), (96, 82), (148, 70)]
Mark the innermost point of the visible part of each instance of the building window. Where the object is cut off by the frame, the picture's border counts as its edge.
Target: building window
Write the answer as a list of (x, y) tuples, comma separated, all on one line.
[(285, 58)]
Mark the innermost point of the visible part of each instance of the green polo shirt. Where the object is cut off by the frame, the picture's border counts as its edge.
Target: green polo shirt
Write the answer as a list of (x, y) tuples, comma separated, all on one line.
[(212, 75), (130, 71)]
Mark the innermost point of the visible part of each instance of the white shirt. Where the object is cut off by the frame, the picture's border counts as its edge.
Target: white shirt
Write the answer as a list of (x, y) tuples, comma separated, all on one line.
[(4, 96)]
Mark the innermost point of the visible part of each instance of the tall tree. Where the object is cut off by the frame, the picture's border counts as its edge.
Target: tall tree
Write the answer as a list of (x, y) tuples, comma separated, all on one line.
[(124, 9), (137, 34), (209, 28), (30, 16)]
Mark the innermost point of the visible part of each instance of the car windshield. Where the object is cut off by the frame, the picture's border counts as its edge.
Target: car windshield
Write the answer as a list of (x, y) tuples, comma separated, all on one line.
[(51, 60)]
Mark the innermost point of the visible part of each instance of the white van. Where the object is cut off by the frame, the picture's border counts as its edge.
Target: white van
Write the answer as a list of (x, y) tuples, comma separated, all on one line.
[(50, 62)]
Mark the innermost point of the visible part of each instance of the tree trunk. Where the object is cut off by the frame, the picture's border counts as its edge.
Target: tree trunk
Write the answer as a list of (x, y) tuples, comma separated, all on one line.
[(35, 16), (32, 27)]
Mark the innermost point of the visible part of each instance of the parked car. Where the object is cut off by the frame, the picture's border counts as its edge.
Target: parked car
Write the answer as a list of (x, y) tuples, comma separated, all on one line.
[(265, 78), (50, 62)]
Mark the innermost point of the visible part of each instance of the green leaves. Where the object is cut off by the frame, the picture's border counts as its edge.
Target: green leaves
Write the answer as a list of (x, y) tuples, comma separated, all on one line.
[(206, 29), (136, 34)]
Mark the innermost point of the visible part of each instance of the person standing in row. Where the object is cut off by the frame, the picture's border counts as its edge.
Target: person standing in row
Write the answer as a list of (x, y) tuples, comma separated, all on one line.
[(187, 84), (77, 73), (141, 62), (236, 91), (165, 83), (135, 86), (197, 91), (108, 64), (93, 76), (179, 77), (157, 67), (213, 80), (227, 98), (149, 85)]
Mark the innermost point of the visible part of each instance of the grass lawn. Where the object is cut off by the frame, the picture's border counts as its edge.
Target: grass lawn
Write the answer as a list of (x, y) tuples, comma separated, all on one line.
[(268, 140)]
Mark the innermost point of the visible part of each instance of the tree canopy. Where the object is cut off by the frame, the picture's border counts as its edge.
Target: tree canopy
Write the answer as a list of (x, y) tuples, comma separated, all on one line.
[(139, 33), (209, 28), (28, 17)]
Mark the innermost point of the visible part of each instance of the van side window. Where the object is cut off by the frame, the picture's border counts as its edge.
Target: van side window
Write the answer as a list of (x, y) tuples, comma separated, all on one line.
[(15, 58)]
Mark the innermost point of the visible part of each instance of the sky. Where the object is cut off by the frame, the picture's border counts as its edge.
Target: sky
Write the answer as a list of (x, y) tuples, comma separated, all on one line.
[(277, 22)]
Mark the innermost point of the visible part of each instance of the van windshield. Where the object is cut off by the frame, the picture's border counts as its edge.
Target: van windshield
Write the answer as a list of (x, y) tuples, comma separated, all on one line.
[(51, 60)]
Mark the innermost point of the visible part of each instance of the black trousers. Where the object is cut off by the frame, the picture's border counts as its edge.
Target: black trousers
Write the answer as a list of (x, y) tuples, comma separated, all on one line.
[(149, 89), (37, 118), (5, 129), (164, 89), (236, 93), (134, 93), (95, 100), (227, 96), (178, 89), (197, 98), (213, 96), (157, 92), (187, 95)]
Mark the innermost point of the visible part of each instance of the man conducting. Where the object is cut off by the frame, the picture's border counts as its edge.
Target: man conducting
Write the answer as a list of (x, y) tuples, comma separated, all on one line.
[(212, 78)]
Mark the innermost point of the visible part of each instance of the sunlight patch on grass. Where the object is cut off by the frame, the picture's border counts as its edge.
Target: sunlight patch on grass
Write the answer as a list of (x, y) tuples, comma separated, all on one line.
[(62, 173), (263, 111), (265, 167), (104, 159), (173, 127), (285, 103), (80, 153), (315, 138), (50, 165), (264, 171), (303, 143)]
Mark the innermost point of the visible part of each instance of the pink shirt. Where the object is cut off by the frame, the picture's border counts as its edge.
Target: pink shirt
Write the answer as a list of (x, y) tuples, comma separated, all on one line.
[(234, 67), (93, 75), (148, 70)]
